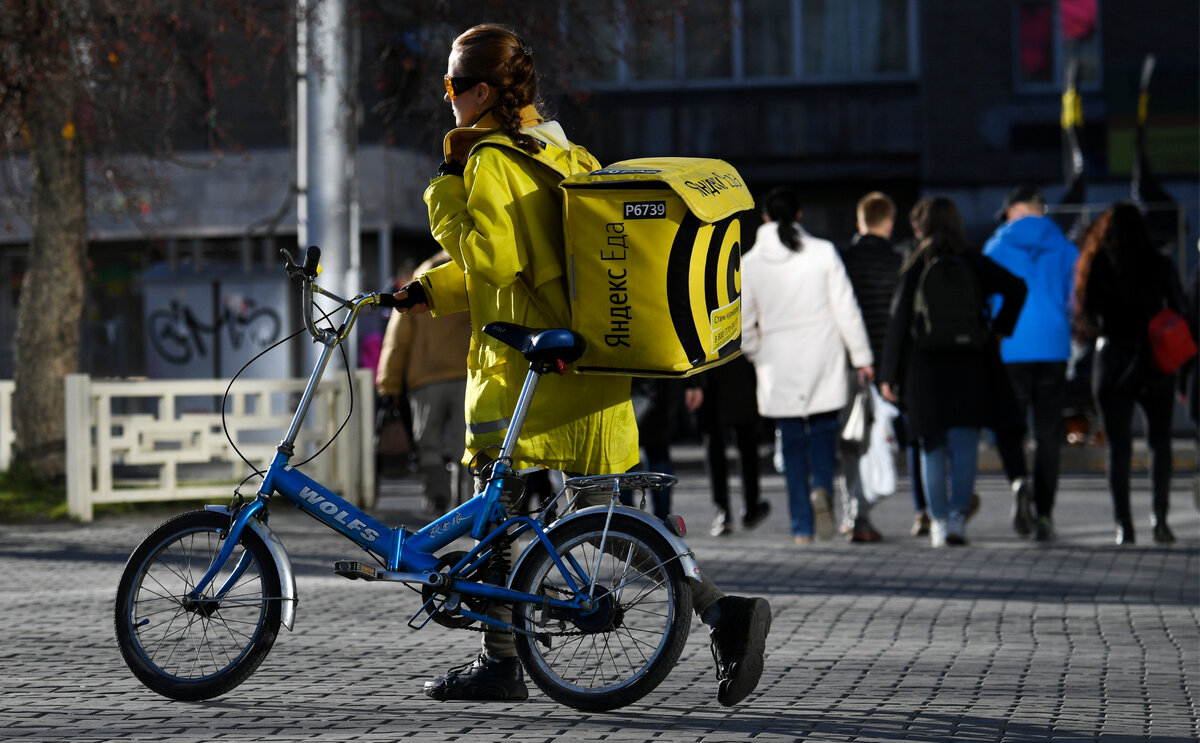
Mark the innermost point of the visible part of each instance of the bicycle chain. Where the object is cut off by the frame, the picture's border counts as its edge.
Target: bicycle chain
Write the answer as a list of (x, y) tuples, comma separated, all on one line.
[(498, 631)]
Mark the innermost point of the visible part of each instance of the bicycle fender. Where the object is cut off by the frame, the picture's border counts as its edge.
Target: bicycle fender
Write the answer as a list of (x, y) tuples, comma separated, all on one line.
[(283, 563), (687, 559)]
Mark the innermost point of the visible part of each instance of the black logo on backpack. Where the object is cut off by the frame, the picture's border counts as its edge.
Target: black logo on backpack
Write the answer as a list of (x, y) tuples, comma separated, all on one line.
[(949, 313)]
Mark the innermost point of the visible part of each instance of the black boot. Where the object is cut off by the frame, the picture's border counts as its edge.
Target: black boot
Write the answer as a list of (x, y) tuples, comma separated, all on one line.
[(487, 679), (738, 641), (756, 514)]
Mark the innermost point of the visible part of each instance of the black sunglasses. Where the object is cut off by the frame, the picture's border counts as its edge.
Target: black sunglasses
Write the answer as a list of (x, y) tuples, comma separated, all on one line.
[(456, 86)]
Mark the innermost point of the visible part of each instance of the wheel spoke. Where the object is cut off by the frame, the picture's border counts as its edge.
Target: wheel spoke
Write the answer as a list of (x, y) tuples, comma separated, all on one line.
[(631, 636), (197, 648)]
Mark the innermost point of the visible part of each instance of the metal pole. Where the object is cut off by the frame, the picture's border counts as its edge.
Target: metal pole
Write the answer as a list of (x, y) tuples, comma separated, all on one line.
[(301, 123), (330, 149)]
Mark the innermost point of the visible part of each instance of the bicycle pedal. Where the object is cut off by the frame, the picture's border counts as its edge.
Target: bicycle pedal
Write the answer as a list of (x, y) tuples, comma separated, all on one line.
[(354, 570)]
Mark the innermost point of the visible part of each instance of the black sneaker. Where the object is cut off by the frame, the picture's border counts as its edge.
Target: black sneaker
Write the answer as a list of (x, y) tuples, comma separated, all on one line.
[(487, 679), (738, 642), (755, 516), (1043, 530)]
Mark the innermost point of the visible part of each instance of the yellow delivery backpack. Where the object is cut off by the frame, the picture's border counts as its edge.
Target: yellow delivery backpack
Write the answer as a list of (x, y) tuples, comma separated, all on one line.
[(654, 265)]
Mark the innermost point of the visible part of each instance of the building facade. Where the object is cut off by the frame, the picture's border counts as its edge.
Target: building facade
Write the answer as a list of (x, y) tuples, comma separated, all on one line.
[(833, 98)]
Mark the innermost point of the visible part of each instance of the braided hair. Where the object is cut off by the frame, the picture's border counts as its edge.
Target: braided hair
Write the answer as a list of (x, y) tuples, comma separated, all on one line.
[(497, 55)]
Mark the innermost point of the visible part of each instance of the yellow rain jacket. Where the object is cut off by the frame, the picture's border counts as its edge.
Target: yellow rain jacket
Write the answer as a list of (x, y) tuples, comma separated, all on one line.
[(501, 223)]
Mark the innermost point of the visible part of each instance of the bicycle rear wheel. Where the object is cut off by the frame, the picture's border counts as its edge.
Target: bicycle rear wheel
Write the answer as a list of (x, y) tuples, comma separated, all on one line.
[(630, 641), (196, 649)]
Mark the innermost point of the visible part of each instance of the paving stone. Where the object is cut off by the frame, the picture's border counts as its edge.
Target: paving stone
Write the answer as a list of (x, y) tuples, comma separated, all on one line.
[(1003, 640)]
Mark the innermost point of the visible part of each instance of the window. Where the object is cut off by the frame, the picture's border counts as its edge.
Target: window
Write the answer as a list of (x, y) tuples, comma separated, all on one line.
[(711, 42), (707, 43), (1052, 33), (767, 38)]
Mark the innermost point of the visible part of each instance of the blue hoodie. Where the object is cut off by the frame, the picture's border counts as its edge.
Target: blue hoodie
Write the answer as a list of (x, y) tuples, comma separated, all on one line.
[(1035, 249)]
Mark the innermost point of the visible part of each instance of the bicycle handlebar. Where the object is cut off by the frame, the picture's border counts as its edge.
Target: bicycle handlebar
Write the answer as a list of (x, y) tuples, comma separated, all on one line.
[(389, 301), (306, 275)]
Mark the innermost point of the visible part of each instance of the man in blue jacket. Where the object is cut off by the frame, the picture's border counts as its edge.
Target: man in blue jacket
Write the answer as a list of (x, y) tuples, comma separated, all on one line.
[(1031, 245)]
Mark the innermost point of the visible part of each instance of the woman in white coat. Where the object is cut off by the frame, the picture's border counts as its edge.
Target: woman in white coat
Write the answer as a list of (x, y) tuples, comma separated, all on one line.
[(799, 319)]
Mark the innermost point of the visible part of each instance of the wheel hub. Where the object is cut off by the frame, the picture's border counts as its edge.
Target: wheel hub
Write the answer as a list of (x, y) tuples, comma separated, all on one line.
[(202, 606), (604, 616)]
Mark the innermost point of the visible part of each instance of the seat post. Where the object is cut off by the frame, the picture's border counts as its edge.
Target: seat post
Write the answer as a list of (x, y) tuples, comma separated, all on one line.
[(517, 422)]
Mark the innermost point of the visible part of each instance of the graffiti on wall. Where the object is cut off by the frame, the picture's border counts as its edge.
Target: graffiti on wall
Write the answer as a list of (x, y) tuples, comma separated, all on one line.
[(178, 335)]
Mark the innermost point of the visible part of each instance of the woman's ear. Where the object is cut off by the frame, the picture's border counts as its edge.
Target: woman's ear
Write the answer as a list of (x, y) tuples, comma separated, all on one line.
[(486, 95)]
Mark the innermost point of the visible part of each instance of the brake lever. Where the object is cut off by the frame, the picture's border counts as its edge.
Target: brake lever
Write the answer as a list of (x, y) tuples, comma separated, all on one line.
[(294, 271)]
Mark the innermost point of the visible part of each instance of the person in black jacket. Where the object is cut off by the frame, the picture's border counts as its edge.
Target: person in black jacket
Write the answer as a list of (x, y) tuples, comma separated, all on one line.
[(873, 266), (723, 399), (947, 393), (1120, 282)]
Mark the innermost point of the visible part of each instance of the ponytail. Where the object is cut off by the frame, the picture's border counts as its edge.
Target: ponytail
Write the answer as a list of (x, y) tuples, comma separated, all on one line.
[(781, 207)]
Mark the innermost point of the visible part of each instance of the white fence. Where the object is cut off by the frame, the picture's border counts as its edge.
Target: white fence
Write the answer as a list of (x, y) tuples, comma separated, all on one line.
[(134, 441), (6, 428)]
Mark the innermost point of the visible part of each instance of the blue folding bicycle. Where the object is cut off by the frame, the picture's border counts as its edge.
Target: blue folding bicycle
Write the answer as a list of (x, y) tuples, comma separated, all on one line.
[(601, 597)]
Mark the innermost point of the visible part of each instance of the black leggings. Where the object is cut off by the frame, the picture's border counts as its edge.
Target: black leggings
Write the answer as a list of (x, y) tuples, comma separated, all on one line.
[(1157, 400), (718, 465)]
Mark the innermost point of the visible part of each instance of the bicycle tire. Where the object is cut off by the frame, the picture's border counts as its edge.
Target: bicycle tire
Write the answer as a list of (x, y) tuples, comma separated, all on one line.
[(199, 651), (633, 639)]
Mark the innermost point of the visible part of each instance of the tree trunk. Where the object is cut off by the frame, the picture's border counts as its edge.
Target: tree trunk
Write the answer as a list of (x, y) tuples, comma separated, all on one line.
[(46, 346)]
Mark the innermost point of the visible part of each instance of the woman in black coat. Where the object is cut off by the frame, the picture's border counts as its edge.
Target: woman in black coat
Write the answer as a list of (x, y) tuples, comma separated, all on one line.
[(1120, 282), (947, 393)]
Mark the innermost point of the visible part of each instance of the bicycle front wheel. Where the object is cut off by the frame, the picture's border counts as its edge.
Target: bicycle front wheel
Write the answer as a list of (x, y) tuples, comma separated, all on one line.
[(627, 644), (196, 648)]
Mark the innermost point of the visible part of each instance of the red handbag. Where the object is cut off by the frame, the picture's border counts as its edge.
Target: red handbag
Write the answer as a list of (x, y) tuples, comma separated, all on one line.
[(1171, 342)]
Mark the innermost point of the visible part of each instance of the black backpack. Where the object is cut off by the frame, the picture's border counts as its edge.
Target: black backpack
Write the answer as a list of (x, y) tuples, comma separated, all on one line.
[(949, 312)]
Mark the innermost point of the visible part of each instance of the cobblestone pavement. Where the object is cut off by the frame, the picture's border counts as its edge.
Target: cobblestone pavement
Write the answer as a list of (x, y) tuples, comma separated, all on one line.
[(1002, 640)]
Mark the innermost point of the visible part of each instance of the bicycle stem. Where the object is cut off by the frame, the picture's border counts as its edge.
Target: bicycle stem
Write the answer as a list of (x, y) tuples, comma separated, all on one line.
[(328, 338)]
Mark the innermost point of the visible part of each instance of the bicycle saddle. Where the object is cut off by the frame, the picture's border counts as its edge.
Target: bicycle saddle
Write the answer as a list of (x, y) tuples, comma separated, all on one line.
[(539, 345)]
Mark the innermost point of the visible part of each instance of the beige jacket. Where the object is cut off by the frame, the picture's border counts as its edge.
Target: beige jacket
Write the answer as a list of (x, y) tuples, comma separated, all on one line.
[(421, 349)]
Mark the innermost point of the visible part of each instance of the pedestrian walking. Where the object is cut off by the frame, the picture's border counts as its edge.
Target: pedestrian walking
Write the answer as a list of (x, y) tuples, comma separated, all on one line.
[(1030, 245), (1120, 282), (936, 358), (424, 359), (873, 267), (799, 319), (724, 400)]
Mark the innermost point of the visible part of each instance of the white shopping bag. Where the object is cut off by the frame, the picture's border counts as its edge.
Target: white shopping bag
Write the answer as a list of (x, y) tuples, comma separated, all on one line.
[(877, 466)]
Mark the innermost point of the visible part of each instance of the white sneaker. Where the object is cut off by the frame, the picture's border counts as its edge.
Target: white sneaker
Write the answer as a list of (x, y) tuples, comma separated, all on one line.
[(937, 533), (1022, 507)]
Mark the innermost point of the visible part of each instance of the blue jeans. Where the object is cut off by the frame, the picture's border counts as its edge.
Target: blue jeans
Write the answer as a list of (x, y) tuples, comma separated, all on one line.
[(809, 448), (959, 444)]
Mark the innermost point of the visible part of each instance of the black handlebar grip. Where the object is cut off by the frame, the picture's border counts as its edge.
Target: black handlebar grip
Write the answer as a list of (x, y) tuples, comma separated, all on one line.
[(389, 300), (312, 257)]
